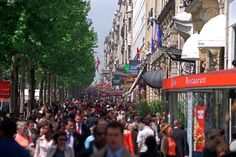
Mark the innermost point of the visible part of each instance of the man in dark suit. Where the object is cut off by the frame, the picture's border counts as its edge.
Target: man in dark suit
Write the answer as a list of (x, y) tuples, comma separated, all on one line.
[(99, 142), (74, 140), (180, 136), (81, 127)]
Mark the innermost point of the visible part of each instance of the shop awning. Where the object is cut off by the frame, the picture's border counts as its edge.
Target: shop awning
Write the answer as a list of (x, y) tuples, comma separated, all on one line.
[(136, 81), (120, 73), (4, 89), (153, 78), (190, 48), (213, 33), (183, 23), (214, 80)]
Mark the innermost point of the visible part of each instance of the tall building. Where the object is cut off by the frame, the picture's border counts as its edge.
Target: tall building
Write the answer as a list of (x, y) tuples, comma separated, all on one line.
[(139, 25), (119, 41)]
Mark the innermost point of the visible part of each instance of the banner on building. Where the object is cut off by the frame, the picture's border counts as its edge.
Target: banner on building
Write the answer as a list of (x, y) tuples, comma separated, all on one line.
[(133, 68), (199, 128)]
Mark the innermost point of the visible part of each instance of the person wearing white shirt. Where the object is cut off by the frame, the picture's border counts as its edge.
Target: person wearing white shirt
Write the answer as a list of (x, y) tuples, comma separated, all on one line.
[(44, 142), (142, 135)]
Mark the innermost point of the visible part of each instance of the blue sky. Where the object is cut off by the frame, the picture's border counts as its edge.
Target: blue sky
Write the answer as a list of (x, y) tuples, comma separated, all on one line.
[(102, 13)]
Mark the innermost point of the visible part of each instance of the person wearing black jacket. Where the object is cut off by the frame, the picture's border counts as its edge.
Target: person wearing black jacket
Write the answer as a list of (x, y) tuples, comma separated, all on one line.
[(180, 137), (74, 140), (81, 128), (152, 148)]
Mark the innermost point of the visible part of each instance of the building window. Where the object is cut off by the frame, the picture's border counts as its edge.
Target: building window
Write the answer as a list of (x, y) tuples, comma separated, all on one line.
[(130, 24), (129, 52)]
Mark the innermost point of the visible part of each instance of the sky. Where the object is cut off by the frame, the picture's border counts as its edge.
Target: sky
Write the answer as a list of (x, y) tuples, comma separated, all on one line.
[(102, 14)]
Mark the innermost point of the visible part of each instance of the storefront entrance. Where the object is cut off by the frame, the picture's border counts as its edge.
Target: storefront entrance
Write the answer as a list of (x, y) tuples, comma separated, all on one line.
[(203, 102)]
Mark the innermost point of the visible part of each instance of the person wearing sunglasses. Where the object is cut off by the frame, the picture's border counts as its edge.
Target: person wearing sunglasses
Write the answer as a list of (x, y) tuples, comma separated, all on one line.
[(60, 149)]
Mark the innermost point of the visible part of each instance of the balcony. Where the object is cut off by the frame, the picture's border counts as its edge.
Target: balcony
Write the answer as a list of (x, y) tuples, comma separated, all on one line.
[(187, 2)]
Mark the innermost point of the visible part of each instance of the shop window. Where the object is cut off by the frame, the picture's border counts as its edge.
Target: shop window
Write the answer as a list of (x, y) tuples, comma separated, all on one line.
[(130, 24), (221, 58)]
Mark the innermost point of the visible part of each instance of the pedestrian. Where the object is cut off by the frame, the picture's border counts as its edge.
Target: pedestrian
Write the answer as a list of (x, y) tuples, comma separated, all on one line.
[(222, 150), (180, 137), (143, 134), (89, 139), (134, 133), (74, 140), (9, 147), (45, 141), (128, 141), (21, 137), (32, 132), (168, 144), (60, 149), (152, 148), (214, 139), (99, 142), (81, 128), (114, 138)]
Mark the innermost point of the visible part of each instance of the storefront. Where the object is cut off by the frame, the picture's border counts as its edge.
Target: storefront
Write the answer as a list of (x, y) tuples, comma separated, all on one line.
[(204, 101)]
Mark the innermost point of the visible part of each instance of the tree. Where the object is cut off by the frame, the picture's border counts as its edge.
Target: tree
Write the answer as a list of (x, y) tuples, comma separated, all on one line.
[(52, 39)]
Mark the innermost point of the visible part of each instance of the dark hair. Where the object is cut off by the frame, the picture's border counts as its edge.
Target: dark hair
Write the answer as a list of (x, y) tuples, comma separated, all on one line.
[(151, 142), (146, 121), (30, 122), (115, 125), (8, 128), (69, 120), (57, 135)]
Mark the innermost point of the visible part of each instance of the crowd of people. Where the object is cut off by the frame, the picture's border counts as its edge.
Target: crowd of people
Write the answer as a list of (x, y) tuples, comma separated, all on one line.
[(99, 127)]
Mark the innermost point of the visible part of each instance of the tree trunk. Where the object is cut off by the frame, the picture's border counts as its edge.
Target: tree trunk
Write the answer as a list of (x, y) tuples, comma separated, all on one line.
[(45, 91), (41, 92), (14, 86), (62, 96), (54, 97), (31, 103), (22, 91), (49, 89)]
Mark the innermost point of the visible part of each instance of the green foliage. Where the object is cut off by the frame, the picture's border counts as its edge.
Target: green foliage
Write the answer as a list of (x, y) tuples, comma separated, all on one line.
[(54, 36), (181, 115), (150, 107)]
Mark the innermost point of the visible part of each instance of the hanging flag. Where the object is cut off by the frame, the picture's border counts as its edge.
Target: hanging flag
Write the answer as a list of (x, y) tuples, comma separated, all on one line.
[(159, 34), (137, 56), (153, 46), (97, 64)]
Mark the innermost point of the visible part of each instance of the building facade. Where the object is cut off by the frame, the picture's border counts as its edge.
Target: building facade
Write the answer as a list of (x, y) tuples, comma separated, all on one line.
[(117, 45)]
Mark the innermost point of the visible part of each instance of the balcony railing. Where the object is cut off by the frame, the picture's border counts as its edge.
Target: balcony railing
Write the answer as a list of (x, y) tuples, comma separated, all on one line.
[(187, 2)]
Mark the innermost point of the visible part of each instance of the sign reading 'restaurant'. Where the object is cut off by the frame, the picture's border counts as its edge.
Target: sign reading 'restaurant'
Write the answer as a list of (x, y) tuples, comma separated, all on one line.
[(223, 78), (196, 80)]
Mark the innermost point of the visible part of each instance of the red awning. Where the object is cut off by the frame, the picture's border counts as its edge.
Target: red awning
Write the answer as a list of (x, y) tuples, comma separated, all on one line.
[(215, 79), (4, 89), (116, 93), (105, 85), (104, 94)]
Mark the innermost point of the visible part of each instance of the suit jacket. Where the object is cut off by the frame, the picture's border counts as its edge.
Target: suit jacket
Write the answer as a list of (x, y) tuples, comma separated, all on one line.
[(103, 153), (78, 143), (180, 137), (85, 131), (151, 153), (68, 152)]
